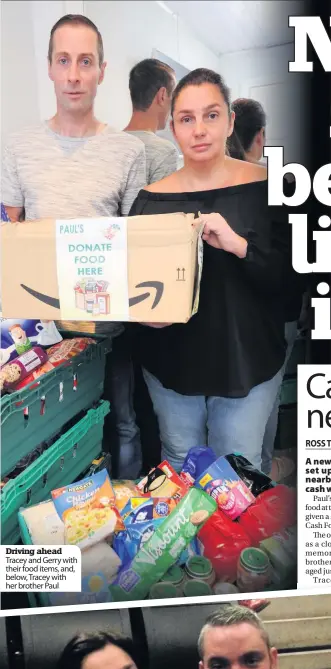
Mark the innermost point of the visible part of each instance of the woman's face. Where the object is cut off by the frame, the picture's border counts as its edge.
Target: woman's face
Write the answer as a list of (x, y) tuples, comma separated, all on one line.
[(201, 122), (109, 657)]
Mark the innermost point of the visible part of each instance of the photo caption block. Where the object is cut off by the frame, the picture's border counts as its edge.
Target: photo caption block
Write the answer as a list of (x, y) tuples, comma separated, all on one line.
[(40, 569), (314, 476)]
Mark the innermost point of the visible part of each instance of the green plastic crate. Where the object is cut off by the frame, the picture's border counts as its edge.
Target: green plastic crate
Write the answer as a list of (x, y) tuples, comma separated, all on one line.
[(60, 465), (22, 434)]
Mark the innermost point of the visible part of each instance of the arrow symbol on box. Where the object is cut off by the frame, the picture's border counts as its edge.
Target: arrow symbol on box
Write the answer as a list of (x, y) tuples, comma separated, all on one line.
[(158, 286)]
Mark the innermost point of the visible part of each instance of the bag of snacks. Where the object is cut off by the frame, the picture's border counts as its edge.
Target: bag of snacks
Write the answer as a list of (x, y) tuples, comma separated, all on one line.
[(164, 548)]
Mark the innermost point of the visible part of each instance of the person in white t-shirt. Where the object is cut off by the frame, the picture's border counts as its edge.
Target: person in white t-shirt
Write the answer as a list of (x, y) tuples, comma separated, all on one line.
[(151, 85), (74, 166)]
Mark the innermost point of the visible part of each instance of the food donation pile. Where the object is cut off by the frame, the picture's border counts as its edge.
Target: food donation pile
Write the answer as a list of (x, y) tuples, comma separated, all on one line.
[(220, 526)]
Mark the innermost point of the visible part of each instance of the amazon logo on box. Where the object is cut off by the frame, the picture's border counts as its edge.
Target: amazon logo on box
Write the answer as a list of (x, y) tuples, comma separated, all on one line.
[(151, 270)]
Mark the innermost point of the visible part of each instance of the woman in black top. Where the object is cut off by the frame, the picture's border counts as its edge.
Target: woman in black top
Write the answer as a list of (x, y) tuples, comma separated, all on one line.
[(214, 379)]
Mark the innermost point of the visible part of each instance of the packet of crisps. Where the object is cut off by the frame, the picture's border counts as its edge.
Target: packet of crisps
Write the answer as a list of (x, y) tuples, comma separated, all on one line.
[(140, 509), (164, 547), (163, 481), (87, 509)]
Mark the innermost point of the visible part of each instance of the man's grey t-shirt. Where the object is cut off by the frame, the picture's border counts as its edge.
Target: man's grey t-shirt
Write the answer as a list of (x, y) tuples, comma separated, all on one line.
[(53, 176), (161, 155)]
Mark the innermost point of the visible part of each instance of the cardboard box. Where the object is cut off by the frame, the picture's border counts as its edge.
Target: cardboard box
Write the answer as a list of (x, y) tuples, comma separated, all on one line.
[(143, 268)]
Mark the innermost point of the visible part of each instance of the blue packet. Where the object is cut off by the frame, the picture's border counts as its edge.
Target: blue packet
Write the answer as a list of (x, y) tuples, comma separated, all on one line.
[(127, 543), (198, 459)]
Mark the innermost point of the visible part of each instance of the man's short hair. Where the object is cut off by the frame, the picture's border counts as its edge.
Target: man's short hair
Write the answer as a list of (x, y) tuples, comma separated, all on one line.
[(227, 616), (75, 20), (146, 79)]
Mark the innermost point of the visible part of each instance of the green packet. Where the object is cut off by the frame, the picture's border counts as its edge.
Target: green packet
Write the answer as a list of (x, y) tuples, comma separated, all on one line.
[(165, 546)]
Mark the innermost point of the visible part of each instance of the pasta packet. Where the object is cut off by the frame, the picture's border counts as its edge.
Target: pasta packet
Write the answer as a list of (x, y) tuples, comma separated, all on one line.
[(164, 547), (87, 509)]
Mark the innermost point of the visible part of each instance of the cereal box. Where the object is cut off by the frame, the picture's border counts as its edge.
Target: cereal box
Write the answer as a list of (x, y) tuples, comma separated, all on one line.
[(87, 509), (163, 481), (222, 483)]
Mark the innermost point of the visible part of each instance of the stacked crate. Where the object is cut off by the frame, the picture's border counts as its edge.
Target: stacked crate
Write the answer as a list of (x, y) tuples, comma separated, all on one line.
[(36, 415)]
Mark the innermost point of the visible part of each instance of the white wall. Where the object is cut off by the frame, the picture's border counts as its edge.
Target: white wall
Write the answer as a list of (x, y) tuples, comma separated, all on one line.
[(131, 30), (263, 75), (19, 91)]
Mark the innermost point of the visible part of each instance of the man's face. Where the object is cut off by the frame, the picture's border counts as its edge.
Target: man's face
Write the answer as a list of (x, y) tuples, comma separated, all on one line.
[(237, 647), (109, 657), (75, 69)]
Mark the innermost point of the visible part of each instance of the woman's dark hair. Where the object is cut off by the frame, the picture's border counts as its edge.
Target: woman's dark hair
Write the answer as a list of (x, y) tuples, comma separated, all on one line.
[(250, 119), (146, 79), (197, 78), (82, 645)]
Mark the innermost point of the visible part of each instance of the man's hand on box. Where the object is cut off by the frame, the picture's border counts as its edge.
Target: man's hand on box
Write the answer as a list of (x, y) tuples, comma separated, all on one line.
[(219, 234)]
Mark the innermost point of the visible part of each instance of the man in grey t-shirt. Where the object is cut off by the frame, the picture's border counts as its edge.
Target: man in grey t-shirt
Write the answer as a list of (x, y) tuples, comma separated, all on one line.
[(74, 166), (151, 85)]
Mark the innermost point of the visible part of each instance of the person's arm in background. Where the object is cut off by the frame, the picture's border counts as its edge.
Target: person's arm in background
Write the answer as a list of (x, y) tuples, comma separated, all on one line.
[(11, 192), (135, 182), (164, 163)]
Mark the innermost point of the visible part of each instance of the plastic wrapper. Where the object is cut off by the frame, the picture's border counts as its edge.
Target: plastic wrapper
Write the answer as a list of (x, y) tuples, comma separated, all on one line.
[(87, 509), (68, 349), (274, 510), (255, 480), (224, 485), (223, 541), (17, 372), (196, 462), (164, 548)]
